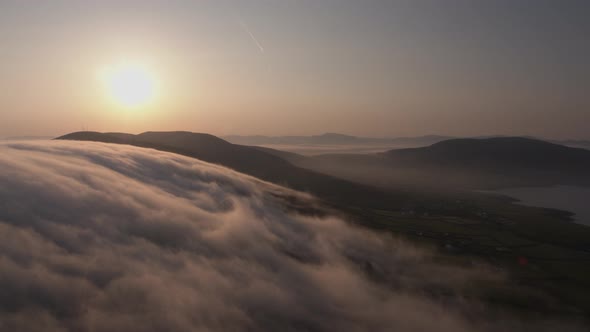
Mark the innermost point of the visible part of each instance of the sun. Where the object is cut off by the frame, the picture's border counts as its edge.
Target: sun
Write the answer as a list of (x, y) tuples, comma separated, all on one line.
[(129, 85)]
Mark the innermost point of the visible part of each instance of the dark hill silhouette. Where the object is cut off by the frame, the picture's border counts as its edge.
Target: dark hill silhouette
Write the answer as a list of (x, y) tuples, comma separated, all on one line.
[(334, 138), (584, 144), (495, 153), (465, 163), (248, 160), (484, 163), (201, 146)]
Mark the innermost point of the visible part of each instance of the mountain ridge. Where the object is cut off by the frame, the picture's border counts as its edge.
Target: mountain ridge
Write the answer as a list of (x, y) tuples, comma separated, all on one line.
[(244, 159), (330, 138), (473, 163)]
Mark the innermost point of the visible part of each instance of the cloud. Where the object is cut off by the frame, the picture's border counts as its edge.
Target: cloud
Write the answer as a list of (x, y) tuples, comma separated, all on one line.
[(99, 237)]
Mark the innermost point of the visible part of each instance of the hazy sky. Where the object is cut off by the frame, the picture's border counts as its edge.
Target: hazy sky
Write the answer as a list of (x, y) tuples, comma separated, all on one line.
[(377, 68)]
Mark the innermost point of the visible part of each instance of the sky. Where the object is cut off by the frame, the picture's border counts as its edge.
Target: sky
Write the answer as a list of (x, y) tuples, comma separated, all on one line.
[(286, 67)]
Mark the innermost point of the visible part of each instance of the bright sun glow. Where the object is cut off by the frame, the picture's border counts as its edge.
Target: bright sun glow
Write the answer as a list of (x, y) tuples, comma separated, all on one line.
[(130, 85)]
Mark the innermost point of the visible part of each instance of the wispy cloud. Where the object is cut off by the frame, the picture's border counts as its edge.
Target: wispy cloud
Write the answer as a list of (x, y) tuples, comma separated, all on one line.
[(249, 32)]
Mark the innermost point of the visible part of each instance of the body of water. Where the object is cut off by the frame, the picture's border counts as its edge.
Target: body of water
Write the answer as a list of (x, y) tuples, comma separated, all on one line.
[(568, 198)]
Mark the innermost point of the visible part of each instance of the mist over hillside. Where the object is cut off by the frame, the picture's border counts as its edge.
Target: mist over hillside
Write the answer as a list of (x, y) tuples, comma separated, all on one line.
[(109, 237), (334, 143), (250, 160), (463, 164), (334, 139), (451, 217)]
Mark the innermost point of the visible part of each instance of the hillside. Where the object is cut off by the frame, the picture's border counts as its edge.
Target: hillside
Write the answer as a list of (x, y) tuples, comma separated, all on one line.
[(584, 144), (494, 152), (467, 224), (249, 160), (463, 163)]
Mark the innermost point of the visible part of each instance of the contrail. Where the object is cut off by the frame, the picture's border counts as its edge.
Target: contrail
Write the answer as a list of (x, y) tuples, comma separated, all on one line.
[(249, 32), (236, 14)]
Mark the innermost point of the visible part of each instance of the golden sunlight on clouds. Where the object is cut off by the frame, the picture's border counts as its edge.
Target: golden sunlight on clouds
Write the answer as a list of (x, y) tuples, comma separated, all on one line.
[(129, 85)]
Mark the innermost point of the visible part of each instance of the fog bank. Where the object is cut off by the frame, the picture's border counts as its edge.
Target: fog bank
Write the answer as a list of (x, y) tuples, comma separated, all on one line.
[(99, 237)]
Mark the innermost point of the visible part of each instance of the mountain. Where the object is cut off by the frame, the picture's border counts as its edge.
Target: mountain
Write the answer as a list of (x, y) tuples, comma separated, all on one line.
[(465, 221), (253, 161), (467, 163), (335, 139), (334, 143), (463, 163), (492, 153), (584, 144)]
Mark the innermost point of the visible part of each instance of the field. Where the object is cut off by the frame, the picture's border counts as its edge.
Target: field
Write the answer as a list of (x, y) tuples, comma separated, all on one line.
[(546, 256)]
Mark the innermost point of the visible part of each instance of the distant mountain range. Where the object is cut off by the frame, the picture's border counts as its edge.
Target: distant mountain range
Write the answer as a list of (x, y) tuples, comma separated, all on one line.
[(335, 139), (462, 163)]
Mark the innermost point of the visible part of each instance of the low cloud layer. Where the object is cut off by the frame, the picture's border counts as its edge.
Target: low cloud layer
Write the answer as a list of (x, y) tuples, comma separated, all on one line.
[(98, 237)]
